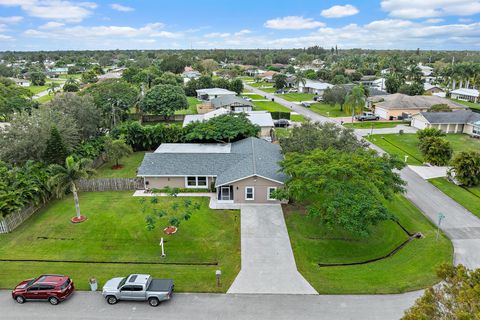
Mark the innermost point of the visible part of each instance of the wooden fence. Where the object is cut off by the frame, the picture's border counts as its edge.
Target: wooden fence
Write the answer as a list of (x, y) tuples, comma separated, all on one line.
[(113, 184), (12, 221)]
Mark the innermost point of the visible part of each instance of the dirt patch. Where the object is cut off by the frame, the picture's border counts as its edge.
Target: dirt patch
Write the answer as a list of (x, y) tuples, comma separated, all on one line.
[(117, 167)]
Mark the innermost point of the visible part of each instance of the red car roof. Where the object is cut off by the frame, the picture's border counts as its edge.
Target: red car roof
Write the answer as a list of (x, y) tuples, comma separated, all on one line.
[(53, 279)]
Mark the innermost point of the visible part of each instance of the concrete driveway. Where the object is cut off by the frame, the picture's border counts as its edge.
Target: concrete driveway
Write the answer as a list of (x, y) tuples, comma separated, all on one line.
[(268, 265)]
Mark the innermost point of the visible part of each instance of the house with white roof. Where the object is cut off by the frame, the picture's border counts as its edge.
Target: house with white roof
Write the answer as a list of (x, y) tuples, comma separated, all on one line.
[(263, 119), (212, 93), (21, 82), (465, 94), (313, 86)]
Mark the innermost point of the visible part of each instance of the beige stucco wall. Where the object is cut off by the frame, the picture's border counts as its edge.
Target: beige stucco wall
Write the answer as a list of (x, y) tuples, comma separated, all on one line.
[(174, 182), (399, 112), (265, 132), (468, 129), (260, 195)]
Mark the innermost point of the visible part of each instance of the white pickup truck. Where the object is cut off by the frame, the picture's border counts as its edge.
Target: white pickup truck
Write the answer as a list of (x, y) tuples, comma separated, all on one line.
[(138, 287)]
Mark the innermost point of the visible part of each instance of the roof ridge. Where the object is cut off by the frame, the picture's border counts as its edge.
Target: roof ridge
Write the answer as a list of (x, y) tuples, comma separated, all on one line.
[(253, 157)]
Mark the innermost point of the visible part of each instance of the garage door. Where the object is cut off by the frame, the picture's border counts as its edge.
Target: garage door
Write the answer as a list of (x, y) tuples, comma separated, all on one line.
[(382, 113), (419, 124)]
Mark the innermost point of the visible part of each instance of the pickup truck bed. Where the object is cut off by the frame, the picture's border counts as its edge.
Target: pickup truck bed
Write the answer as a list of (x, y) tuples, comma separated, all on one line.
[(161, 285)]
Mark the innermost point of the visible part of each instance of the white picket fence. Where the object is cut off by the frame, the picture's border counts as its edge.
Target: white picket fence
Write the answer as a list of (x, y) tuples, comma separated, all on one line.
[(12, 221)]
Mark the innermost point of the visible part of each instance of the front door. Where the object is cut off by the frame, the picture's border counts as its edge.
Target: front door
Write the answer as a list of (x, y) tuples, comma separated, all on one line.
[(225, 193)]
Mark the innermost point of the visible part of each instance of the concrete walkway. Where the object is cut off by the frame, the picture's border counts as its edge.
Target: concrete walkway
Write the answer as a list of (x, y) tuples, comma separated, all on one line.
[(268, 265), (427, 172), (396, 129)]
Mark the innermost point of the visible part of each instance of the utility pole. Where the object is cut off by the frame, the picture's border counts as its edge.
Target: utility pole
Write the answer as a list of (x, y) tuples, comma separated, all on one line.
[(441, 216)]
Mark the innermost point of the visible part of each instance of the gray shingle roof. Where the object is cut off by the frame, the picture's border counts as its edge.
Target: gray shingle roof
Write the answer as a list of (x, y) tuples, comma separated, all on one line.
[(403, 101), (226, 101), (247, 157), (460, 117)]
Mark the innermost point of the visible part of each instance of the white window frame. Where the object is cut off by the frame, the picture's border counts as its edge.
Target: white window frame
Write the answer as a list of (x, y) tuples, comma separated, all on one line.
[(253, 194), (196, 186), (268, 193)]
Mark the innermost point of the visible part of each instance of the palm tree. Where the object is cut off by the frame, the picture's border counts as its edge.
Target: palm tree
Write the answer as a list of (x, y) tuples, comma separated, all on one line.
[(414, 72), (355, 100), (299, 77), (71, 81), (51, 88), (63, 178)]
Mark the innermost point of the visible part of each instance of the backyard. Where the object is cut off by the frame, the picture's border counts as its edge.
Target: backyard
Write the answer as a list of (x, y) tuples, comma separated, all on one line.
[(192, 106), (469, 198), (114, 242), (270, 106), (411, 268), (328, 110), (469, 104), (407, 144), (129, 167)]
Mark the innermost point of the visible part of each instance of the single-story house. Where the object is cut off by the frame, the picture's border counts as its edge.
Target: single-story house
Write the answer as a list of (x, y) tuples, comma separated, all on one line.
[(190, 74), (399, 104), (461, 121), (379, 84), (263, 119), (465, 94), (313, 86), (21, 82), (212, 93), (426, 70), (246, 171), (433, 89), (266, 76), (232, 103)]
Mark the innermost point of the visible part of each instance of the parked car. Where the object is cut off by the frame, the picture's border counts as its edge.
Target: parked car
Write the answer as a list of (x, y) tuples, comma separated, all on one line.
[(306, 104), (366, 116), (279, 91), (281, 123), (48, 287), (247, 98), (138, 287), (317, 98)]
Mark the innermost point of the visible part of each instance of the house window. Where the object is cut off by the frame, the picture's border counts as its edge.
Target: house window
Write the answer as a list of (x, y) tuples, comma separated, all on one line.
[(249, 193), (196, 182), (270, 190)]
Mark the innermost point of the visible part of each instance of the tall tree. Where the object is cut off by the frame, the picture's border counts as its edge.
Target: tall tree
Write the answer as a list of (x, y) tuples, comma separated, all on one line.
[(466, 166), (64, 178), (55, 150), (164, 99), (236, 85), (355, 101), (280, 81), (116, 149)]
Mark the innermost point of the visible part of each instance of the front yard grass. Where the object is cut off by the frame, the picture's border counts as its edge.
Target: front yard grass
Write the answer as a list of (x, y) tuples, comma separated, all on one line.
[(469, 198), (192, 106), (129, 170), (411, 268), (270, 106), (469, 104), (297, 117), (407, 144), (374, 124), (116, 232), (253, 96), (297, 96), (37, 89), (328, 110)]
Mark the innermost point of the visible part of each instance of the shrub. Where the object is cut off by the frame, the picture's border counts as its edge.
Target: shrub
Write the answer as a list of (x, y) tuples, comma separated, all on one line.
[(466, 166), (436, 150), (430, 132)]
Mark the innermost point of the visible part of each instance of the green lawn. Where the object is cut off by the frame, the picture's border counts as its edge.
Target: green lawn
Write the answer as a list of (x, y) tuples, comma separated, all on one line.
[(374, 124), (328, 110), (37, 89), (45, 98), (115, 232), (192, 106), (129, 170), (407, 144), (412, 268), (469, 104), (467, 197), (297, 117), (261, 85), (270, 106), (297, 96), (282, 132)]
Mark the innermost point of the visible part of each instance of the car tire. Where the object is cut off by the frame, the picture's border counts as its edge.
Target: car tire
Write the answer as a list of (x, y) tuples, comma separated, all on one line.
[(377, 118), (20, 299), (111, 299), (53, 301), (154, 302)]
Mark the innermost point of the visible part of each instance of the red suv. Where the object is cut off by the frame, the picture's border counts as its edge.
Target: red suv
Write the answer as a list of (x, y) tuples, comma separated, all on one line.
[(49, 287)]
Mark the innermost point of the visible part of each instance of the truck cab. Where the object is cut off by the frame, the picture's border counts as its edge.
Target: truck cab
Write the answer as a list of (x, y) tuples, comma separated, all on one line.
[(366, 116), (138, 287)]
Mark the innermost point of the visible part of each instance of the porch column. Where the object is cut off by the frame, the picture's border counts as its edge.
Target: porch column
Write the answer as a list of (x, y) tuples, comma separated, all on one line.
[(448, 127), (456, 128)]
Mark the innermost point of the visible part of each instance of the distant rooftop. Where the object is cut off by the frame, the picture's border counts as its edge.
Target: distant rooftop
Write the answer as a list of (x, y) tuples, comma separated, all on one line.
[(194, 148)]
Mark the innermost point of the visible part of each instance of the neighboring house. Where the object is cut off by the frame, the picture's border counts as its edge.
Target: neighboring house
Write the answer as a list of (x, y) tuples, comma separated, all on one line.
[(461, 121), (58, 71), (379, 84), (245, 171), (313, 86), (190, 74), (465, 94), (21, 82), (399, 104), (212, 93), (426, 70), (232, 103), (263, 119), (266, 76), (434, 90), (252, 72), (112, 74)]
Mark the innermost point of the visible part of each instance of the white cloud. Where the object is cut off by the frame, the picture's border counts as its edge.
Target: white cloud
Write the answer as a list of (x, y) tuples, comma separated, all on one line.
[(53, 9), (293, 23), (340, 11), (217, 35), (242, 32), (434, 20), (51, 25), (11, 20), (430, 8), (465, 20), (122, 8)]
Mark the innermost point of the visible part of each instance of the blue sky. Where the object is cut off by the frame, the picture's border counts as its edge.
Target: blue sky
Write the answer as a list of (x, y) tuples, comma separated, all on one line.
[(183, 24)]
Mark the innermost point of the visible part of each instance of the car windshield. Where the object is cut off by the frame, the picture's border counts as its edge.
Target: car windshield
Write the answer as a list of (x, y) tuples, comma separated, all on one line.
[(122, 283), (29, 283), (65, 284)]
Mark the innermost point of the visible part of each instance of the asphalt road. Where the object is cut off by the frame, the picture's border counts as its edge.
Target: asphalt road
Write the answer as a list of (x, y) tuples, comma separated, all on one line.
[(91, 306)]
